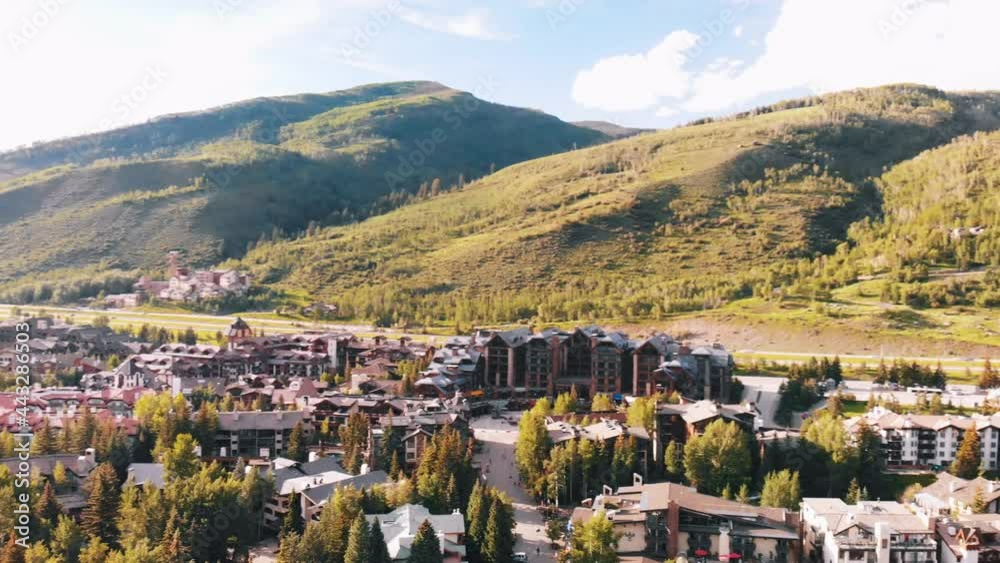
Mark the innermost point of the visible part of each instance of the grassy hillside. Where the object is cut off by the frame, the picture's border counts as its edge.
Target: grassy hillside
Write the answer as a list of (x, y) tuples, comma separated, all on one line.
[(667, 222), (612, 130), (213, 182)]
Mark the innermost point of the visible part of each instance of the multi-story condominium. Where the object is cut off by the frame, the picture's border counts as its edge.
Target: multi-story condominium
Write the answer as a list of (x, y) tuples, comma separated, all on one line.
[(953, 495), (868, 532), (929, 440), (258, 433), (503, 355), (668, 519), (592, 361), (647, 358)]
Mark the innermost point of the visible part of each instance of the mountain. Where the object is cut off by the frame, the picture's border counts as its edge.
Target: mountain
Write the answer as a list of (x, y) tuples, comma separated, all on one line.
[(612, 130), (212, 182), (756, 206)]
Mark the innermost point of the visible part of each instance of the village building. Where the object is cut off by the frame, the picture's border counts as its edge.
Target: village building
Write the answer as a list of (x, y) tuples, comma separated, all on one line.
[(400, 527), (970, 538), (669, 519), (953, 495), (868, 532), (189, 286), (930, 441)]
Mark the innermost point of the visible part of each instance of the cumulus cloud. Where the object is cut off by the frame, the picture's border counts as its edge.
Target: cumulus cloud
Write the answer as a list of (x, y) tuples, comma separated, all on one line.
[(820, 47), (633, 82)]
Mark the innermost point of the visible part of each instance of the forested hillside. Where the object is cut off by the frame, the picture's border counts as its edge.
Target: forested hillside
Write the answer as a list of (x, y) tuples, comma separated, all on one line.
[(666, 222), (213, 182)]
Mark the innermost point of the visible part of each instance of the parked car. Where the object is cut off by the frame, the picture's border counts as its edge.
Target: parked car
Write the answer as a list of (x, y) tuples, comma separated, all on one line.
[(520, 557)]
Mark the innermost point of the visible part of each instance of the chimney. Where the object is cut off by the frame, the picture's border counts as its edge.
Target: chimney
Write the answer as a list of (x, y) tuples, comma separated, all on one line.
[(992, 487), (313, 456), (91, 455), (636, 480)]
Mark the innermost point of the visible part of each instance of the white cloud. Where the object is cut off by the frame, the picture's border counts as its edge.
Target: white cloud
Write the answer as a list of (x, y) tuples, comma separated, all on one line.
[(83, 81), (666, 111), (474, 24), (633, 82), (738, 31), (819, 47)]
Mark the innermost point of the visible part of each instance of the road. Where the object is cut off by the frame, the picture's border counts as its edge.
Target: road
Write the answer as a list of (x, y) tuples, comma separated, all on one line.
[(498, 437)]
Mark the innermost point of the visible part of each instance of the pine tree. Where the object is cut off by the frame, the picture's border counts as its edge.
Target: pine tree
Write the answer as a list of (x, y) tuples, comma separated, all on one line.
[(43, 442), (95, 552), (967, 460), (296, 449), (67, 540), (11, 552), (979, 502), (378, 550), (425, 547), (98, 518), (498, 540), (452, 493), (743, 496), (293, 522), (853, 492), (47, 510), (357, 541)]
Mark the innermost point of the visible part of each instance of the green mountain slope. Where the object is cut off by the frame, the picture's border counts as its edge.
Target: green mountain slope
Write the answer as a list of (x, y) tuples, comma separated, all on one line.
[(212, 182), (665, 222)]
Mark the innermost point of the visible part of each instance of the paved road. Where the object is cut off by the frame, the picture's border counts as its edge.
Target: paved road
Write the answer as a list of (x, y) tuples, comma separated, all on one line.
[(498, 437)]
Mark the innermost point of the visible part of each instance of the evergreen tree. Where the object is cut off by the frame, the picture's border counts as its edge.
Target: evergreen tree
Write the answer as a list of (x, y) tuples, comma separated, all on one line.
[(98, 519), (96, 551), (357, 541), (743, 496), (477, 512), (354, 440), (623, 460), (11, 552), (498, 540), (426, 547), (43, 442), (378, 550), (968, 459), (293, 523), (853, 492), (47, 510), (296, 449), (67, 539), (979, 505)]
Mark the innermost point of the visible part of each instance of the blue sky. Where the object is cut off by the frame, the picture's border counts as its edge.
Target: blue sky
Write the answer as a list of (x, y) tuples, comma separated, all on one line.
[(74, 66)]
